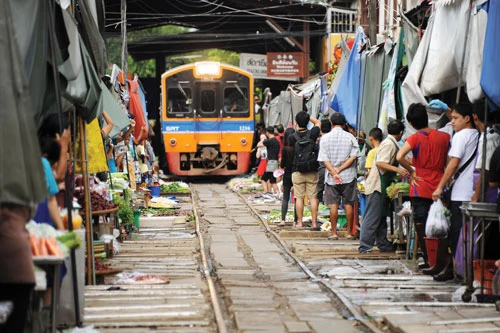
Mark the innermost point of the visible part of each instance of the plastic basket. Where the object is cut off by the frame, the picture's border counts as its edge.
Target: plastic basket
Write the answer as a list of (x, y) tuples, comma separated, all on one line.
[(137, 216), (489, 266), (155, 191), (362, 204), (431, 244), (341, 221)]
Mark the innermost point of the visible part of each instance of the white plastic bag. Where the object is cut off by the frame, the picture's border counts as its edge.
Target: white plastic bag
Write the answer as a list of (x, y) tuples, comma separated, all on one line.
[(437, 223)]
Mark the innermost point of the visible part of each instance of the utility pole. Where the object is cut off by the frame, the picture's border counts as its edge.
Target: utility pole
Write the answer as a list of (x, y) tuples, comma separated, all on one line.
[(124, 40), (328, 33), (372, 21)]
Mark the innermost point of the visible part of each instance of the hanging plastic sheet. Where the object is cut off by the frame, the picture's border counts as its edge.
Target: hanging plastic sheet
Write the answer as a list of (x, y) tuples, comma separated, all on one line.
[(344, 57), (311, 92), (91, 36), (375, 64), (441, 71), (116, 112), (95, 149), (388, 108), (411, 91), (88, 109), (411, 38), (474, 55), (135, 107), (324, 95), (31, 34), (276, 109), (142, 95), (491, 65), (72, 66), (347, 98), (22, 180), (284, 108)]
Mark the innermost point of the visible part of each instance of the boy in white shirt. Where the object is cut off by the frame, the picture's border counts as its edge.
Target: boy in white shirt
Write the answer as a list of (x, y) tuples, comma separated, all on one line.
[(463, 152)]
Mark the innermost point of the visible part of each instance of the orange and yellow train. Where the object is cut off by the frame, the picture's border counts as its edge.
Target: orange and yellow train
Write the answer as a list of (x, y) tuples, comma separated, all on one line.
[(207, 119)]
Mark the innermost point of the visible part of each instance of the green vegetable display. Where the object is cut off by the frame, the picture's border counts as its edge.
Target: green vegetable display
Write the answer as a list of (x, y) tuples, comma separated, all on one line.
[(395, 188), (159, 211), (174, 187), (71, 240), (125, 211)]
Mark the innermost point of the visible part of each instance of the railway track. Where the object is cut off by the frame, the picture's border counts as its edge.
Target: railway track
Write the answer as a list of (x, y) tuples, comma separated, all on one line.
[(231, 271)]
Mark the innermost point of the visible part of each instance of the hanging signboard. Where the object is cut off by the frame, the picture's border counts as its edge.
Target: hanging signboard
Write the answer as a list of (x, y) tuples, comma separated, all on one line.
[(285, 64), (257, 65)]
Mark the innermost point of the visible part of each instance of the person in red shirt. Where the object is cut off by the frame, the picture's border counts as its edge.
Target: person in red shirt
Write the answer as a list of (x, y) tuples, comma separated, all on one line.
[(429, 148)]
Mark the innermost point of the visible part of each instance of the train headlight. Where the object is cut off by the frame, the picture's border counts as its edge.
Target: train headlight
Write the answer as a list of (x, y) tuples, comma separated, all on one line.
[(207, 68), (173, 142), (243, 141)]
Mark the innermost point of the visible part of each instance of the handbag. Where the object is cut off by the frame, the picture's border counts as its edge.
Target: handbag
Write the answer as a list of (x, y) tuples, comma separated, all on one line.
[(272, 165), (446, 195)]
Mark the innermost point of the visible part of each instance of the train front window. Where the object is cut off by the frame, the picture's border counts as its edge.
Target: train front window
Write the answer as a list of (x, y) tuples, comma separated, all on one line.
[(236, 100), (207, 100), (179, 100)]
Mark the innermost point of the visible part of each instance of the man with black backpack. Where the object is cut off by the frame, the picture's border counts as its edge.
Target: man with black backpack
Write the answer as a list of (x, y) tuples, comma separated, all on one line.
[(339, 151), (305, 166)]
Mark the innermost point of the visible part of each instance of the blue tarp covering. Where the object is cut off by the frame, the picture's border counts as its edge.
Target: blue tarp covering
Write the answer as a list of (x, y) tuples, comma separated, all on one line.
[(324, 95), (490, 74), (348, 95)]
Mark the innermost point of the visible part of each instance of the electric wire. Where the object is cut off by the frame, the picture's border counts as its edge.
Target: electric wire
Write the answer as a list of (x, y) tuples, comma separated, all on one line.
[(231, 11), (286, 18)]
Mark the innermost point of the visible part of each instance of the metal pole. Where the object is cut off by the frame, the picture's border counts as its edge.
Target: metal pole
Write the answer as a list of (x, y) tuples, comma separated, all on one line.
[(87, 205), (483, 161), (68, 197), (463, 53), (328, 33), (124, 40), (372, 21)]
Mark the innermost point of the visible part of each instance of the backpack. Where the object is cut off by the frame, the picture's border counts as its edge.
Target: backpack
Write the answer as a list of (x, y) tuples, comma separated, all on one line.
[(305, 154)]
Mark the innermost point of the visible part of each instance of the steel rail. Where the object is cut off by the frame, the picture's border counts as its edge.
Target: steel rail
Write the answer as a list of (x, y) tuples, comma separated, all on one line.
[(221, 325), (362, 319)]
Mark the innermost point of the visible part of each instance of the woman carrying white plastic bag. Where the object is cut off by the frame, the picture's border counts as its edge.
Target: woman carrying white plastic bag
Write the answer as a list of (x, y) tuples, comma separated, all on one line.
[(437, 224)]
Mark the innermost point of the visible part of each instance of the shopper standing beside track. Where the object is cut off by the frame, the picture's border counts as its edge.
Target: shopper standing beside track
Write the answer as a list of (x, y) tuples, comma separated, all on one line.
[(305, 179), (326, 127), (461, 155), (273, 148), (429, 148), (374, 226), (286, 164), (339, 150)]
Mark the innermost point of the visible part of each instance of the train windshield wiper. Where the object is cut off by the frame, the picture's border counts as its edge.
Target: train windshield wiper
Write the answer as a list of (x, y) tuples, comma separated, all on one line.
[(240, 91), (188, 100)]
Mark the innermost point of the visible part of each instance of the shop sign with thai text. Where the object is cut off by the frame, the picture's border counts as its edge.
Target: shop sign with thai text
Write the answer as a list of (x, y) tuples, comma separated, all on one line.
[(256, 64), (285, 64)]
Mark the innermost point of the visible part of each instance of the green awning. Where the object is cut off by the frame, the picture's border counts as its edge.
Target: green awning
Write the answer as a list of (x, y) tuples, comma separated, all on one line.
[(22, 180)]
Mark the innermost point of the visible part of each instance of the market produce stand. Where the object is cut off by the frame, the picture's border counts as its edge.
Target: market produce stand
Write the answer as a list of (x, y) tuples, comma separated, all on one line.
[(405, 226), (105, 213), (484, 214), (401, 224), (53, 263)]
